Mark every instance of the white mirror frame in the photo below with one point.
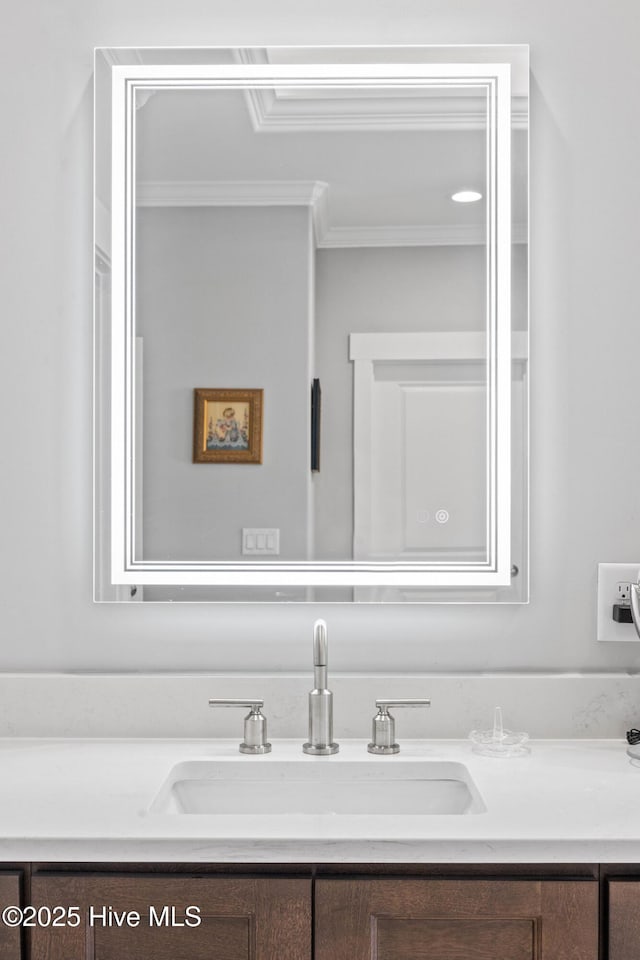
(493, 79)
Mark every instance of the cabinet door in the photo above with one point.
(398, 919)
(624, 920)
(241, 919)
(10, 945)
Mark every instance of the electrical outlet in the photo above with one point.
(623, 591)
(614, 586)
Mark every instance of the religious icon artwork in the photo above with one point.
(227, 426)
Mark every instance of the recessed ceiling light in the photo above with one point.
(466, 196)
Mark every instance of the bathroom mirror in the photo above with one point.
(311, 324)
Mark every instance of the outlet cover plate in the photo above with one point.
(609, 575)
(261, 541)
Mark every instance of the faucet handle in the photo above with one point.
(255, 724)
(384, 725)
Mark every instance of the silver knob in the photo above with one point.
(384, 725)
(255, 725)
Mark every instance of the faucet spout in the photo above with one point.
(320, 743)
(320, 658)
(320, 643)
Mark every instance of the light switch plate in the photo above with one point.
(261, 541)
(609, 576)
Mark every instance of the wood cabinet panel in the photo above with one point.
(10, 939)
(399, 919)
(241, 919)
(402, 939)
(216, 937)
(624, 919)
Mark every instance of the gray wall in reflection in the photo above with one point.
(224, 301)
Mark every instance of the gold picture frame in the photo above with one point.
(227, 426)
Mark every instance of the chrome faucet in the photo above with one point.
(320, 742)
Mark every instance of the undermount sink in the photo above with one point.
(267, 787)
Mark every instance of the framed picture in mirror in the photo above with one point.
(227, 426)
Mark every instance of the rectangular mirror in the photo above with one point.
(311, 324)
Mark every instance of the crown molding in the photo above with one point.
(230, 193)
(125, 57)
(272, 114)
(120, 56)
(427, 235)
(395, 110)
(240, 193)
(312, 194)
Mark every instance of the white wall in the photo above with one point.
(585, 196)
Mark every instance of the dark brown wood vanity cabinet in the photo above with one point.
(397, 919)
(10, 895)
(266, 918)
(269, 917)
(624, 919)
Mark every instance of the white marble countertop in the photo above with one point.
(89, 800)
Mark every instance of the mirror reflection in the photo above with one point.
(312, 340)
